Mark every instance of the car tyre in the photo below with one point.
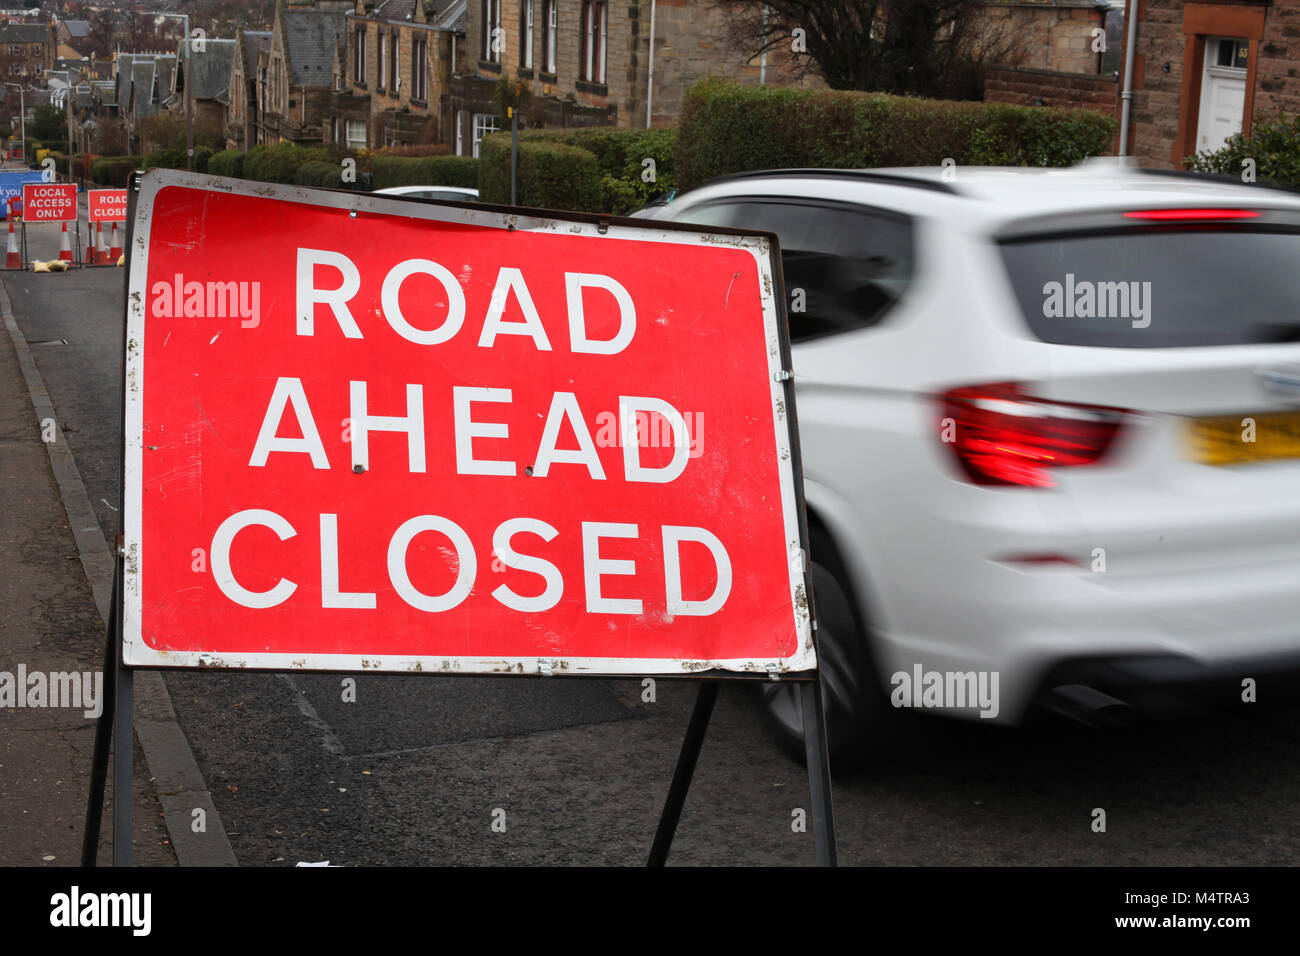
(858, 717)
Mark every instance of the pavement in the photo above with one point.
(50, 623)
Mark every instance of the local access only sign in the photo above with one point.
(364, 433)
(49, 202)
(106, 205)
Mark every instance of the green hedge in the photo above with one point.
(115, 170)
(277, 164)
(202, 156)
(624, 180)
(551, 175)
(329, 175)
(228, 162)
(1273, 144)
(424, 171)
(726, 128)
(168, 157)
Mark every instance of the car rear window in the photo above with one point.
(1159, 288)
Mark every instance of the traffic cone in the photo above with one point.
(90, 246)
(101, 254)
(65, 248)
(12, 259)
(115, 252)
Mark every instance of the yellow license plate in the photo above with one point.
(1241, 439)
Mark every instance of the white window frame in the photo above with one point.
(354, 131)
(552, 34)
(382, 73)
(526, 43)
(594, 25)
(491, 23)
(484, 123)
(420, 68)
(359, 69)
(460, 132)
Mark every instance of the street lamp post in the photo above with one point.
(189, 83)
(22, 114)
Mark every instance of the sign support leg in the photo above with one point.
(685, 770)
(819, 771)
(123, 743)
(103, 734)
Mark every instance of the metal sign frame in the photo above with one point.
(116, 723)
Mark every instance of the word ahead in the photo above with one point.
(383, 435)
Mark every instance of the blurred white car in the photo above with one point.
(451, 193)
(1050, 424)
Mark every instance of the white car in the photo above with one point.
(451, 193)
(1050, 425)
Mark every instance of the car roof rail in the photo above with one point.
(861, 175)
(1224, 179)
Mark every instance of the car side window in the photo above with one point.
(844, 265)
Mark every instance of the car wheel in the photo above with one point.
(855, 707)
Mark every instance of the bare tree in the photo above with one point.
(925, 47)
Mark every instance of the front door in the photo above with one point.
(1223, 92)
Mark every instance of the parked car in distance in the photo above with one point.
(449, 193)
(1050, 429)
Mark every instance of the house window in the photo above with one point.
(356, 130)
(484, 123)
(550, 28)
(526, 35)
(16, 69)
(380, 49)
(492, 36)
(591, 65)
(360, 71)
(394, 73)
(15, 50)
(420, 69)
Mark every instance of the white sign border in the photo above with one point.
(138, 654)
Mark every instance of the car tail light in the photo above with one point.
(1191, 215)
(1001, 435)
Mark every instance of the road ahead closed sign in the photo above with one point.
(371, 434)
(106, 205)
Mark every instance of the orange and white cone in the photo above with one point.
(101, 254)
(65, 248)
(90, 246)
(12, 258)
(115, 252)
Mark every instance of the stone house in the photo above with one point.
(26, 50)
(299, 98)
(242, 116)
(399, 60)
(588, 62)
(1204, 71)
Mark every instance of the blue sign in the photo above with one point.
(11, 184)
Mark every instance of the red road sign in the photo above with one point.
(50, 202)
(106, 205)
(368, 433)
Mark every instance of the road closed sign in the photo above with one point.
(364, 433)
(50, 202)
(106, 205)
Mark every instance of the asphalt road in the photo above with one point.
(413, 770)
